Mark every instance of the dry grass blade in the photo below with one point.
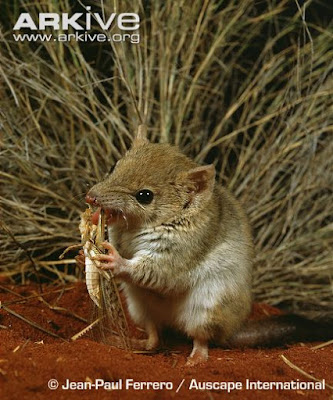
(23, 299)
(6, 289)
(85, 330)
(319, 346)
(21, 347)
(301, 371)
(62, 309)
(31, 322)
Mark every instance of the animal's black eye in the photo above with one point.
(144, 196)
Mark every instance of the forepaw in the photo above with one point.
(112, 261)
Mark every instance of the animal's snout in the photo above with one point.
(91, 198)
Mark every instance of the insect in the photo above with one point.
(101, 285)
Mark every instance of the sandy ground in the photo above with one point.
(30, 358)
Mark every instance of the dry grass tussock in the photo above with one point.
(247, 88)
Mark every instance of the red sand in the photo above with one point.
(29, 358)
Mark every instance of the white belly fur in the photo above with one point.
(222, 275)
(187, 312)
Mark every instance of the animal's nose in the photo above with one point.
(91, 198)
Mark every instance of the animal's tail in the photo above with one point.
(280, 330)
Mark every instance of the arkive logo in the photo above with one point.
(81, 23)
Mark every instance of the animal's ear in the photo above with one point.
(141, 136)
(201, 179)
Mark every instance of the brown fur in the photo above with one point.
(185, 258)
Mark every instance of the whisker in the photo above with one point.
(124, 217)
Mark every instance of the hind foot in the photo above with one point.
(199, 353)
